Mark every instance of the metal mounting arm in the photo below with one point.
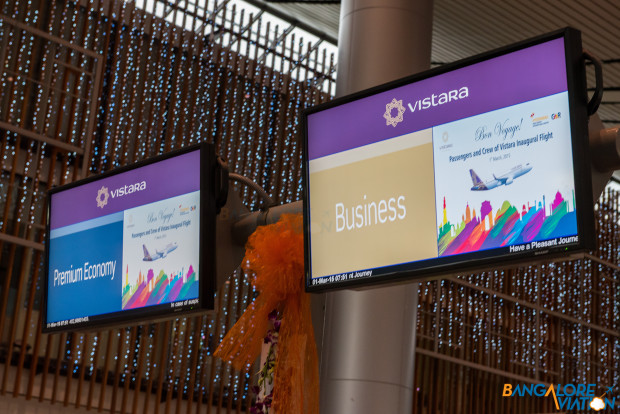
(604, 152)
(235, 224)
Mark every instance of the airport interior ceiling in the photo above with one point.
(462, 29)
(122, 80)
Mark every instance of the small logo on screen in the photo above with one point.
(445, 137)
(539, 120)
(394, 105)
(102, 197)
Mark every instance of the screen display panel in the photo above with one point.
(470, 166)
(132, 245)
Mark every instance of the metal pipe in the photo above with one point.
(247, 224)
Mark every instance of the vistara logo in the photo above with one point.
(102, 197)
(389, 119)
(104, 194)
(439, 99)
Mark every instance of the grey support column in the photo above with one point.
(382, 40)
(368, 344)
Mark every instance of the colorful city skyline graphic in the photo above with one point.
(508, 226)
(154, 290)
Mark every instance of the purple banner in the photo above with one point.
(158, 181)
(500, 82)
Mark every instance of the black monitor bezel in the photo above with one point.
(207, 265)
(476, 261)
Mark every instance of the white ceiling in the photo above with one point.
(465, 28)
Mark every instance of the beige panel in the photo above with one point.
(374, 213)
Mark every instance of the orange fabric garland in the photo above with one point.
(276, 256)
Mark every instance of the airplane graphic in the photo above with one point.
(159, 254)
(504, 179)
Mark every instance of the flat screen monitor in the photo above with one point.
(469, 166)
(135, 244)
